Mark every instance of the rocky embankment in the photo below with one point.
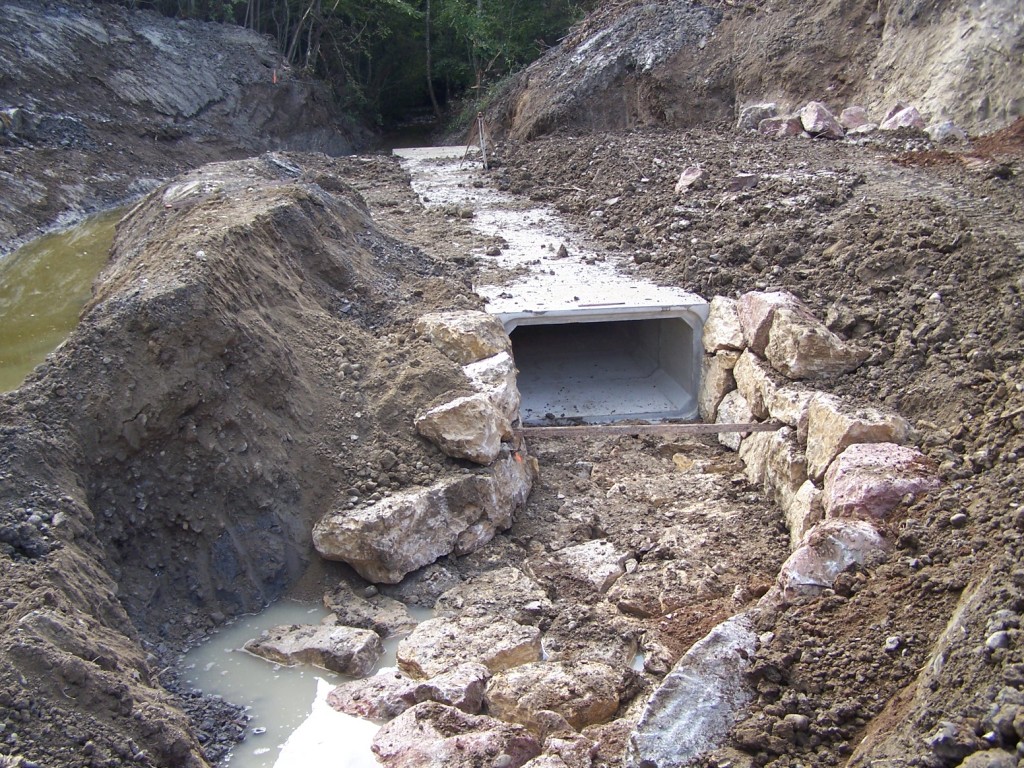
(99, 104)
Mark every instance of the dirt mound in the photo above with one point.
(682, 64)
(100, 103)
(246, 361)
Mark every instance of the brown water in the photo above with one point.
(43, 286)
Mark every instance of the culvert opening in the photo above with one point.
(601, 370)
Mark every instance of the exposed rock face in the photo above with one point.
(722, 329)
(584, 693)
(832, 425)
(389, 693)
(465, 336)
(408, 530)
(469, 427)
(801, 347)
(817, 120)
(346, 650)
(692, 710)
(875, 478)
(829, 549)
(716, 381)
(432, 734)
(440, 645)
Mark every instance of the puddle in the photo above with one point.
(291, 725)
(43, 286)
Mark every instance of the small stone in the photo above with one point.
(893, 643)
(998, 640)
(690, 178)
(959, 520)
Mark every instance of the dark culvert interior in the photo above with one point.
(598, 372)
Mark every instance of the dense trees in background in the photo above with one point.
(389, 57)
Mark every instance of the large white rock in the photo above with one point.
(875, 478)
(733, 410)
(695, 706)
(505, 592)
(908, 117)
(828, 549)
(390, 692)
(833, 425)
(346, 650)
(716, 381)
(755, 381)
(752, 115)
(722, 329)
(791, 406)
(817, 120)
(440, 645)
(403, 532)
(465, 336)
(469, 427)
(757, 312)
(801, 347)
(803, 511)
(584, 693)
(597, 564)
(495, 377)
(432, 734)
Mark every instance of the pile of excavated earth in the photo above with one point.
(284, 384)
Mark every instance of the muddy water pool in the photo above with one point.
(291, 725)
(43, 286)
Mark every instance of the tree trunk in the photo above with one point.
(430, 67)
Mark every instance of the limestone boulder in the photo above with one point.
(716, 381)
(908, 117)
(830, 548)
(566, 750)
(722, 329)
(596, 564)
(405, 531)
(817, 120)
(440, 645)
(803, 510)
(695, 706)
(780, 127)
(833, 425)
(379, 613)
(853, 117)
(756, 382)
(346, 650)
(733, 410)
(791, 406)
(584, 693)
(505, 592)
(752, 115)
(757, 312)
(875, 478)
(465, 336)
(692, 178)
(390, 692)
(469, 427)
(495, 377)
(801, 347)
(601, 633)
(432, 734)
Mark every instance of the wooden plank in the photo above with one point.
(663, 430)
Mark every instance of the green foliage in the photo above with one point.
(379, 54)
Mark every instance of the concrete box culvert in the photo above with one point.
(604, 366)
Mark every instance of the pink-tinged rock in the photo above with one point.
(733, 410)
(905, 118)
(833, 425)
(853, 117)
(584, 693)
(875, 478)
(780, 127)
(388, 694)
(862, 130)
(895, 109)
(757, 312)
(818, 121)
(716, 381)
(722, 329)
(828, 549)
(432, 734)
(691, 178)
(801, 347)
